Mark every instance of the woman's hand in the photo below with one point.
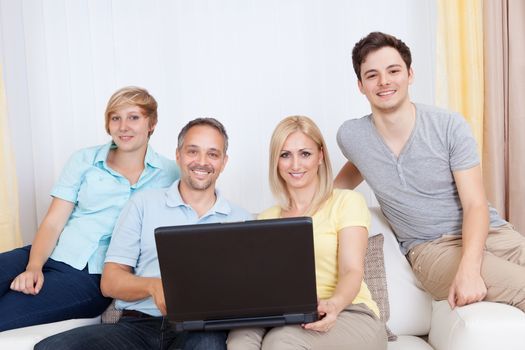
(29, 282)
(32, 279)
(328, 312)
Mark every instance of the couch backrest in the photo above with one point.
(410, 306)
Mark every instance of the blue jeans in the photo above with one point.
(67, 293)
(133, 333)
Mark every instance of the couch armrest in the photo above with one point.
(479, 326)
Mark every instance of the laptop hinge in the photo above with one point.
(189, 326)
(268, 321)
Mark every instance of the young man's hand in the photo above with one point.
(468, 287)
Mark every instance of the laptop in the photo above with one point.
(258, 273)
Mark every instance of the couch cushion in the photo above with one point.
(375, 279)
(111, 315)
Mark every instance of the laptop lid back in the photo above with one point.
(228, 275)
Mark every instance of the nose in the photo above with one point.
(123, 125)
(295, 162)
(383, 80)
(201, 158)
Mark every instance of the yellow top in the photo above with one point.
(343, 209)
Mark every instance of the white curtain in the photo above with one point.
(9, 225)
(247, 62)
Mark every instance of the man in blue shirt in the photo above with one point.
(131, 272)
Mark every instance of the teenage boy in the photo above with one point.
(422, 164)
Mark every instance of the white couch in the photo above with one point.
(422, 323)
(419, 322)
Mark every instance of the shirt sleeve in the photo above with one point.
(71, 178)
(352, 210)
(344, 141)
(462, 145)
(124, 247)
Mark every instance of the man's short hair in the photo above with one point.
(373, 42)
(212, 122)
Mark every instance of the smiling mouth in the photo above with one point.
(201, 171)
(125, 138)
(386, 93)
(297, 175)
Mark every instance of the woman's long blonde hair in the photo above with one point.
(307, 126)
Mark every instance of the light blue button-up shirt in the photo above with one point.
(133, 242)
(99, 194)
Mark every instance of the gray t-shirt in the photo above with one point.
(416, 191)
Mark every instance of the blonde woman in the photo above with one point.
(58, 277)
(301, 179)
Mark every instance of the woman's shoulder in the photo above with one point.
(344, 195)
(90, 154)
(346, 200)
(270, 213)
(157, 160)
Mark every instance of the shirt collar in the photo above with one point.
(102, 154)
(174, 199)
(151, 158)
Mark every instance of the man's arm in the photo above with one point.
(349, 177)
(468, 285)
(119, 282)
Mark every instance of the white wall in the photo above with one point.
(248, 63)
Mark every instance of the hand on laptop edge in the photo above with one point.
(328, 312)
(157, 293)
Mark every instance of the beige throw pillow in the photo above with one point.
(375, 279)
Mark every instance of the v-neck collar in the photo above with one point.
(407, 144)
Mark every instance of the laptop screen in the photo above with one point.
(249, 269)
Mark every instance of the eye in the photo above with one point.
(115, 118)
(134, 117)
(371, 76)
(394, 71)
(285, 155)
(213, 155)
(305, 154)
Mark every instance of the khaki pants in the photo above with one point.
(503, 268)
(356, 328)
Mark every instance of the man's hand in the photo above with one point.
(157, 293)
(468, 287)
(28, 282)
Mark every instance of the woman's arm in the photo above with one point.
(31, 280)
(353, 241)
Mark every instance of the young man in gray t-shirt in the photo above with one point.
(422, 164)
